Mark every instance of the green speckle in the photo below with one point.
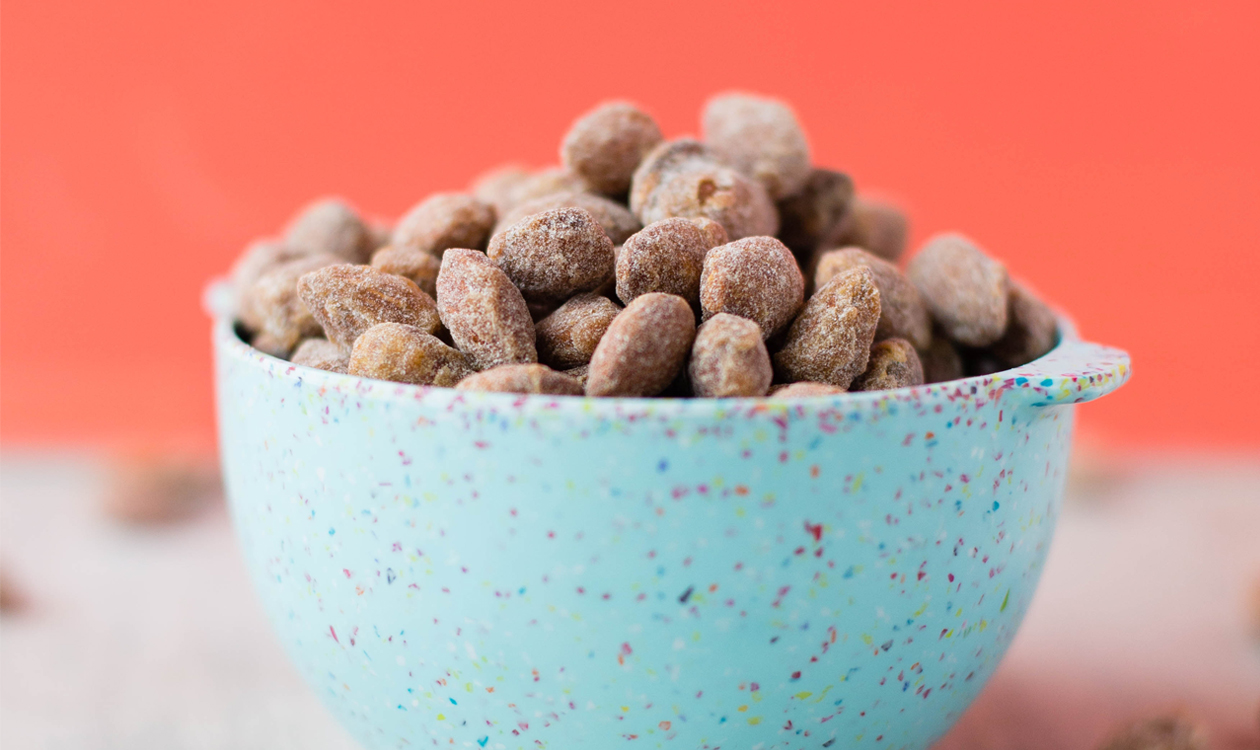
(1005, 600)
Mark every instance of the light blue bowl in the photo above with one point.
(459, 569)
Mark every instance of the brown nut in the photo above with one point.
(413, 263)
(713, 232)
(700, 189)
(330, 226)
(1160, 733)
(874, 225)
(662, 162)
(531, 378)
(644, 349)
(268, 344)
(321, 354)
(666, 256)
(755, 278)
(805, 389)
(729, 358)
(258, 258)
(1031, 329)
(555, 254)
(272, 305)
(545, 182)
(500, 187)
(830, 341)
(379, 233)
(760, 137)
(902, 312)
(941, 361)
(580, 374)
(965, 290)
(484, 312)
(893, 364)
(617, 222)
(567, 337)
(605, 146)
(347, 300)
(443, 221)
(809, 217)
(406, 354)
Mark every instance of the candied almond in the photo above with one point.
(272, 305)
(729, 358)
(605, 146)
(526, 378)
(321, 354)
(331, 226)
(760, 137)
(485, 313)
(665, 256)
(965, 290)
(644, 349)
(617, 222)
(830, 341)
(413, 263)
(805, 389)
(893, 364)
(443, 221)
(553, 255)
(902, 312)
(347, 300)
(406, 354)
(755, 278)
(568, 336)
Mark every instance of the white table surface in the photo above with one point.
(152, 638)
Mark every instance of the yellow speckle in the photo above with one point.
(857, 482)
(754, 720)
(739, 512)
(625, 709)
(695, 636)
(441, 717)
(867, 639)
(803, 695)
(742, 708)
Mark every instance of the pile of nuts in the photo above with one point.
(590, 278)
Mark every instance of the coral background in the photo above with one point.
(1107, 151)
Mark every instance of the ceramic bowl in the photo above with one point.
(460, 569)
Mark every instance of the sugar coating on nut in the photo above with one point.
(661, 162)
(268, 344)
(347, 300)
(606, 145)
(760, 137)
(1031, 329)
(617, 222)
(331, 226)
(406, 354)
(893, 364)
(379, 233)
(484, 312)
(413, 263)
(500, 186)
(941, 361)
(729, 358)
(741, 205)
(259, 257)
(666, 256)
(714, 233)
(644, 349)
(273, 307)
(902, 311)
(874, 225)
(443, 221)
(567, 337)
(805, 389)
(553, 255)
(830, 341)
(808, 217)
(580, 374)
(321, 354)
(549, 181)
(755, 278)
(965, 290)
(531, 378)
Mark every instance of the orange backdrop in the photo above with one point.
(1108, 151)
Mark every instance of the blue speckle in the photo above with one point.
(452, 700)
(331, 531)
(1020, 381)
(483, 740)
(521, 590)
(1047, 382)
(996, 505)
(722, 720)
(662, 466)
(848, 573)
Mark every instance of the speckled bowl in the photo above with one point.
(463, 569)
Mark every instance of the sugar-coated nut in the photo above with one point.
(755, 278)
(379, 233)
(415, 264)
(665, 256)
(965, 290)
(259, 257)
(347, 300)
(874, 225)
(321, 354)
(830, 341)
(1160, 733)
(443, 221)
(644, 349)
(268, 344)
(941, 361)
(893, 364)
(273, 304)
(500, 186)
(484, 312)
(605, 146)
(713, 232)
(808, 217)
(553, 255)
(805, 389)
(661, 162)
(406, 354)
(740, 204)
(902, 312)
(567, 337)
(729, 359)
(331, 226)
(760, 137)
(549, 181)
(617, 222)
(580, 374)
(531, 378)
(1031, 329)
